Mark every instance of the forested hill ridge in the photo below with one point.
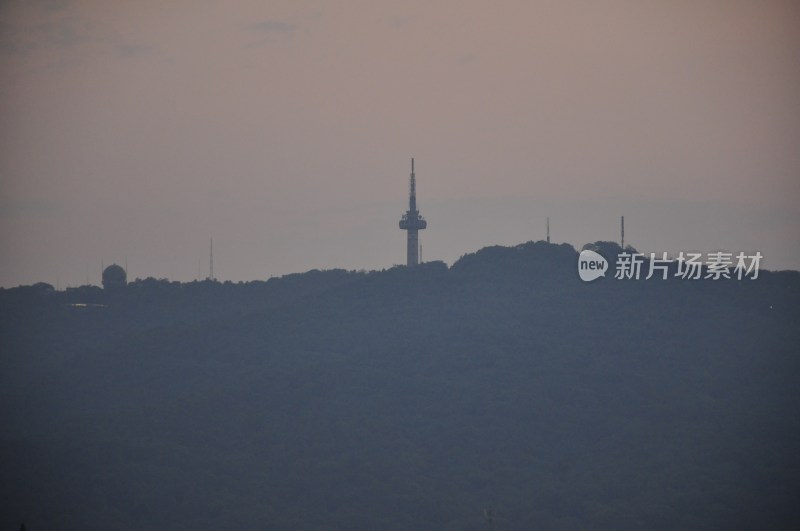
(405, 399)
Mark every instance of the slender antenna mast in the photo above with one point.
(622, 232)
(211, 260)
(548, 229)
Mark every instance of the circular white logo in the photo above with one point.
(591, 265)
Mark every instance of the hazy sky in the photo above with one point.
(284, 129)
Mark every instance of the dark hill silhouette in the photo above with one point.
(405, 399)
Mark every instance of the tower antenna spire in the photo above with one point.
(412, 188)
(622, 232)
(412, 222)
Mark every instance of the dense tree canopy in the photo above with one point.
(405, 399)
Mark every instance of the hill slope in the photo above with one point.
(406, 399)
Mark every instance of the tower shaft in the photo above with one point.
(412, 251)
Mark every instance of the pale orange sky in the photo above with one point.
(284, 130)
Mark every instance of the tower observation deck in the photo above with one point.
(412, 222)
